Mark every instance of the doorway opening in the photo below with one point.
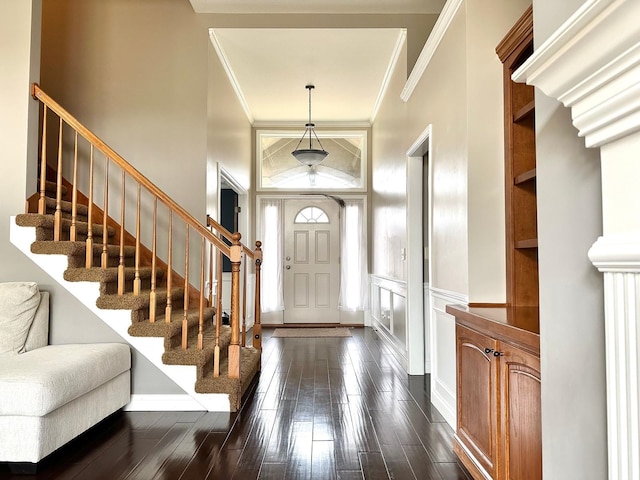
(419, 177)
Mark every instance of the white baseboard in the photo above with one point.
(162, 403)
(445, 401)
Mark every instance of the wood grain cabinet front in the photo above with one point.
(477, 390)
(498, 434)
(520, 414)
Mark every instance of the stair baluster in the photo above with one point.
(201, 306)
(244, 300)
(74, 195)
(185, 324)
(137, 283)
(121, 259)
(57, 216)
(168, 308)
(210, 299)
(42, 206)
(88, 263)
(105, 232)
(152, 294)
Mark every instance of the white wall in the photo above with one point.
(571, 289)
(460, 95)
(229, 140)
(488, 22)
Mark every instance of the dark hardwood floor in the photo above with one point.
(323, 408)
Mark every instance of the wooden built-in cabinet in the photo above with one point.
(498, 435)
(520, 168)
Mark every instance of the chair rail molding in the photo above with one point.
(592, 65)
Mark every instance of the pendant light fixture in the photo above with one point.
(310, 156)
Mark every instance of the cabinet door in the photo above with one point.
(521, 421)
(477, 387)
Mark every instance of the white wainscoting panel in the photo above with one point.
(388, 313)
(443, 352)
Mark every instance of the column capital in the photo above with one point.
(616, 253)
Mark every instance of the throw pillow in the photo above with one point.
(18, 304)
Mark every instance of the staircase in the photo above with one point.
(139, 291)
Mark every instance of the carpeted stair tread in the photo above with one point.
(192, 355)
(97, 274)
(235, 388)
(160, 328)
(47, 221)
(129, 301)
(66, 247)
(66, 207)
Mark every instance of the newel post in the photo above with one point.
(234, 346)
(257, 326)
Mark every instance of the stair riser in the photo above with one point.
(192, 331)
(142, 314)
(68, 215)
(46, 234)
(111, 288)
(78, 261)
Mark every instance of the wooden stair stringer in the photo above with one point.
(119, 321)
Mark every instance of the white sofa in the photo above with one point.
(50, 394)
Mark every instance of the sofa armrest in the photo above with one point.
(38, 335)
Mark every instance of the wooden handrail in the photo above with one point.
(69, 119)
(228, 235)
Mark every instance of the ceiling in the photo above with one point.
(270, 68)
(350, 67)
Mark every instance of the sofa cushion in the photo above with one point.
(18, 304)
(37, 382)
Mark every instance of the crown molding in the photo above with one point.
(395, 56)
(521, 33)
(229, 71)
(592, 64)
(437, 34)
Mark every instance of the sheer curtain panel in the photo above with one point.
(272, 296)
(354, 288)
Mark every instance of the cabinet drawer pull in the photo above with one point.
(498, 354)
(488, 350)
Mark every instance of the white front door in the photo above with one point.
(311, 261)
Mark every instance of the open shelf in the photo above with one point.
(524, 112)
(521, 226)
(528, 243)
(525, 177)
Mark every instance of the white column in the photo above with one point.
(592, 65)
(619, 260)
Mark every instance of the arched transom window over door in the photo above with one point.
(311, 215)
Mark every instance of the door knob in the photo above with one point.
(288, 267)
(288, 258)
